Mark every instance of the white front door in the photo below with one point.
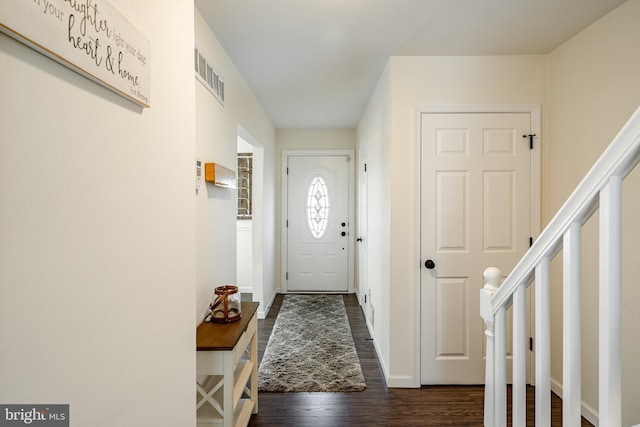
(318, 223)
(475, 213)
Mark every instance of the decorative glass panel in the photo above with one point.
(318, 207)
(245, 171)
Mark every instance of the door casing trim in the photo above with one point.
(283, 211)
(418, 110)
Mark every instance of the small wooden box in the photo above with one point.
(219, 175)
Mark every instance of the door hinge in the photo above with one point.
(287, 224)
(365, 167)
(530, 241)
(287, 170)
(530, 136)
(531, 343)
(286, 275)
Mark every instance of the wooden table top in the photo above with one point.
(224, 336)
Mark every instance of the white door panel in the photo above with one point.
(318, 223)
(475, 213)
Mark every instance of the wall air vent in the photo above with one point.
(208, 76)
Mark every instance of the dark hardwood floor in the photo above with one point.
(377, 405)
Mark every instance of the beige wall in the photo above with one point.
(321, 139)
(387, 135)
(105, 248)
(436, 81)
(217, 129)
(587, 89)
(374, 146)
(593, 89)
(97, 226)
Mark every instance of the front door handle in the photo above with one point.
(429, 264)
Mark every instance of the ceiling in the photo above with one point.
(313, 64)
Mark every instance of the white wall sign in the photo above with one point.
(88, 36)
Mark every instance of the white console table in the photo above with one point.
(227, 370)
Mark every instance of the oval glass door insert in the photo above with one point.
(318, 207)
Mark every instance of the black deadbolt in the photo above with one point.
(344, 224)
(429, 264)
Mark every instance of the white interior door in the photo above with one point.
(318, 223)
(475, 213)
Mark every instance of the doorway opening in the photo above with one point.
(249, 223)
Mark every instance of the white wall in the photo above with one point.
(294, 139)
(97, 225)
(587, 89)
(244, 256)
(321, 139)
(374, 139)
(417, 81)
(436, 80)
(593, 89)
(217, 129)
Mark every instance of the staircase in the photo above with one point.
(601, 189)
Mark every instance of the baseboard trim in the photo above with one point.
(400, 381)
(385, 371)
(262, 313)
(588, 412)
(393, 381)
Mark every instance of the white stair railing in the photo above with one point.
(600, 189)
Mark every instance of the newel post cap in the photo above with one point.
(492, 277)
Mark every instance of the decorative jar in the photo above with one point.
(225, 306)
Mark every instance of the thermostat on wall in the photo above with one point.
(198, 174)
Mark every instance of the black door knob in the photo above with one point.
(429, 264)
(344, 233)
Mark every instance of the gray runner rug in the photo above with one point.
(311, 348)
